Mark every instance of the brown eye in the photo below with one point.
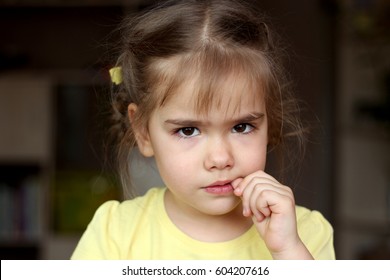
(243, 128)
(187, 132)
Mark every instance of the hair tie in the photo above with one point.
(116, 75)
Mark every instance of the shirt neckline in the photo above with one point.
(168, 225)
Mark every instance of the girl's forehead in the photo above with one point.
(230, 94)
(210, 80)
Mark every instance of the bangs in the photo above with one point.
(212, 75)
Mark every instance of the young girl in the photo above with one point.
(201, 89)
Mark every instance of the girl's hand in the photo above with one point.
(272, 207)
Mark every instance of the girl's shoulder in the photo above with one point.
(113, 225)
(316, 232)
(308, 217)
(114, 208)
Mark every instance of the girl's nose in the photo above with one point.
(219, 155)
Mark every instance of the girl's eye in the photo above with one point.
(243, 128)
(187, 132)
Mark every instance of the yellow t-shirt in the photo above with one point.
(141, 229)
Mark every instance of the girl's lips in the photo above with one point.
(220, 188)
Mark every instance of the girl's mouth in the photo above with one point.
(220, 188)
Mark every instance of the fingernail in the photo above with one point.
(259, 218)
(246, 212)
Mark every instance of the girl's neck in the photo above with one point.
(204, 227)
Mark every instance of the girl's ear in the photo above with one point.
(141, 134)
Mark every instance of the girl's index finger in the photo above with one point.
(240, 183)
(235, 184)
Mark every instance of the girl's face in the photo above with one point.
(199, 155)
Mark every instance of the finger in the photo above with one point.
(258, 215)
(242, 183)
(235, 185)
(250, 187)
(271, 202)
(259, 204)
(259, 199)
(257, 185)
(251, 194)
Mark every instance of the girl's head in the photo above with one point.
(201, 44)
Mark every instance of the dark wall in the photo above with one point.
(55, 37)
(308, 29)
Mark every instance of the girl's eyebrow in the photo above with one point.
(249, 118)
(195, 123)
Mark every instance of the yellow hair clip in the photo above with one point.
(116, 75)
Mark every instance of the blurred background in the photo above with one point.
(54, 94)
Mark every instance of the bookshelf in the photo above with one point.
(51, 176)
(25, 163)
(50, 82)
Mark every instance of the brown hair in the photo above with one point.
(166, 45)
